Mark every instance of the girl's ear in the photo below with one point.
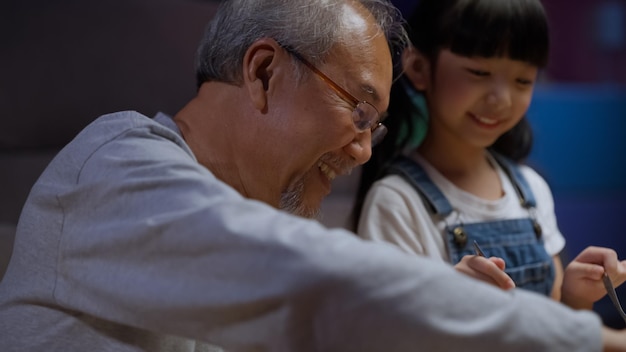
(416, 68)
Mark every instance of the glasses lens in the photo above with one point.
(364, 116)
(378, 134)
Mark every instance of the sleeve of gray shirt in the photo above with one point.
(146, 232)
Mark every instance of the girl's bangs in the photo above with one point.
(514, 29)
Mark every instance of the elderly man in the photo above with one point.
(164, 235)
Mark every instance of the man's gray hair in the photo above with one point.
(310, 27)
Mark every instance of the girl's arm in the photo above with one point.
(558, 278)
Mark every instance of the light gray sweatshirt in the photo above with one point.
(126, 243)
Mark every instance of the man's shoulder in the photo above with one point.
(128, 118)
(114, 125)
(125, 134)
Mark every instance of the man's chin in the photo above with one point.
(299, 199)
(309, 212)
(292, 202)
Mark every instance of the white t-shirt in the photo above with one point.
(394, 212)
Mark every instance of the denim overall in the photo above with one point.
(517, 241)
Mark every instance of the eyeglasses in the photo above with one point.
(364, 115)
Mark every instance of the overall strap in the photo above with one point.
(413, 173)
(512, 170)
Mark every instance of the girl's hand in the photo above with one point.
(582, 281)
(490, 270)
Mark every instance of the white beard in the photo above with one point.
(291, 201)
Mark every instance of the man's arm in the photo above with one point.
(176, 251)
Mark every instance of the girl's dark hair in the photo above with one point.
(516, 29)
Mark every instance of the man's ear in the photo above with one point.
(416, 68)
(259, 65)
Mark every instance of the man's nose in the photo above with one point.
(360, 148)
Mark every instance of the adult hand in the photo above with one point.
(582, 281)
(613, 340)
(490, 270)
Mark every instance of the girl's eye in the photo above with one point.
(478, 73)
(524, 82)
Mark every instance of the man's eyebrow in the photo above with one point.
(371, 91)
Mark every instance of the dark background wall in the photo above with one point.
(63, 63)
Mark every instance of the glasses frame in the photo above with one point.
(376, 125)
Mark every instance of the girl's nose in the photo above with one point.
(499, 96)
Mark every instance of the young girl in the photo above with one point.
(449, 171)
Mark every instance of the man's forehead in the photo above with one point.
(371, 69)
(356, 19)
